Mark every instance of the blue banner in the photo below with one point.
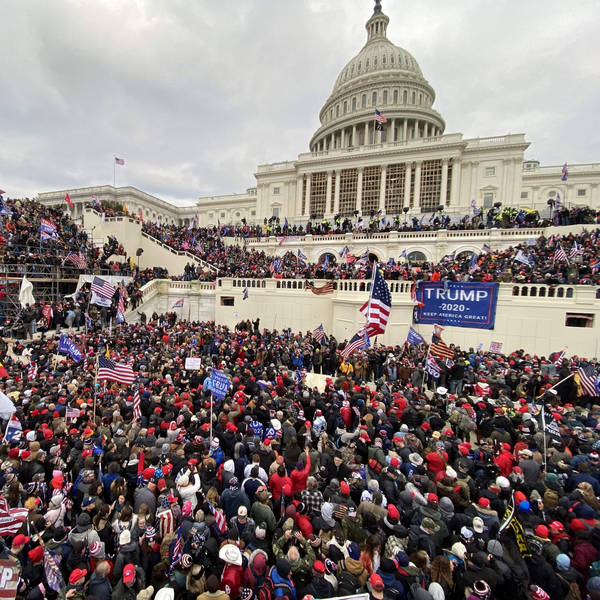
(457, 304)
(414, 337)
(218, 383)
(67, 346)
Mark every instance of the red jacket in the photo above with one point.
(276, 484)
(231, 580)
(505, 462)
(299, 477)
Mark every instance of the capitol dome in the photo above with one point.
(383, 77)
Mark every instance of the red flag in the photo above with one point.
(3, 371)
(68, 201)
(141, 215)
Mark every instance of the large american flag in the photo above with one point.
(575, 251)
(103, 288)
(219, 518)
(590, 382)
(77, 259)
(11, 519)
(52, 571)
(177, 549)
(377, 308)
(379, 117)
(109, 370)
(324, 289)
(31, 371)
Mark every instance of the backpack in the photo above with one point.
(268, 590)
(348, 583)
(574, 592)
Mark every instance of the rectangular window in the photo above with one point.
(276, 191)
(275, 210)
(579, 320)
(581, 192)
(222, 214)
(385, 96)
(371, 185)
(431, 185)
(348, 186)
(394, 188)
(374, 99)
(318, 194)
(252, 213)
(227, 300)
(524, 195)
(490, 171)
(488, 200)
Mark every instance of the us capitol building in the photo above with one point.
(408, 164)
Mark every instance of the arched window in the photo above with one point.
(392, 58)
(383, 59)
(375, 62)
(363, 101)
(404, 97)
(395, 96)
(359, 66)
(367, 64)
(337, 110)
(385, 96)
(353, 104)
(416, 256)
(374, 99)
(345, 106)
(414, 95)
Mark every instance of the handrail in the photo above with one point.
(180, 252)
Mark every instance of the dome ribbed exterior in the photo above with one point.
(381, 76)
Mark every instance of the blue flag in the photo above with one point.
(67, 346)
(414, 337)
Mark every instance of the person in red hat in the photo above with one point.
(319, 587)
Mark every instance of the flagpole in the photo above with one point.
(425, 367)
(95, 384)
(114, 172)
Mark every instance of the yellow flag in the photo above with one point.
(107, 353)
(124, 207)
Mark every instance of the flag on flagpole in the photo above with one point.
(589, 381)
(245, 294)
(432, 367)
(77, 260)
(344, 251)
(358, 340)
(31, 371)
(14, 430)
(52, 571)
(119, 161)
(109, 370)
(560, 254)
(414, 337)
(120, 317)
(318, 333)
(379, 305)
(69, 201)
(474, 265)
(179, 303)
(438, 347)
(219, 518)
(575, 250)
(557, 358)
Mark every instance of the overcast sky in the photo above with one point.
(194, 94)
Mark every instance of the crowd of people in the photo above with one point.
(369, 482)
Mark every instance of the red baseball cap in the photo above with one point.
(76, 575)
(128, 573)
(432, 498)
(483, 502)
(376, 582)
(319, 566)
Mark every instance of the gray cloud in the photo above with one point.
(195, 94)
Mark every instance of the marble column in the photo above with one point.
(444, 183)
(382, 188)
(359, 189)
(407, 176)
(417, 187)
(307, 196)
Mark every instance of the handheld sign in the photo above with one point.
(218, 384)
(192, 364)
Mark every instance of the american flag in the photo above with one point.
(590, 382)
(344, 251)
(377, 308)
(324, 289)
(11, 519)
(359, 340)
(474, 265)
(31, 371)
(137, 407)
(575, 251)
(77, 259)
(177, 549)
(432, 367)
(318, 333)
(47, 226)
(119, 161)
(219, 518)
(109, 370)
(564, 173)
(178, 304)
(52, 571)
(88, 320)
(557, 358)
(379, 117)
(103, 288)
(438, 346)
(559, 254)
(72, 413)
(121, 308)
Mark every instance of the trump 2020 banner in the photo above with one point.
(456, 304)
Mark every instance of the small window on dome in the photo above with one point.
(359, 66)
(383, 59)
(400, 59)
(374, 98)
(375, 62)
(404, 97)
(353, 104)
(420, 98)
(395, 96)
(352, 70)
(414, 95)
(392, 58)
(385, 96)
(363, 101)
(345, 107)
(367, 64)
(337, 110)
